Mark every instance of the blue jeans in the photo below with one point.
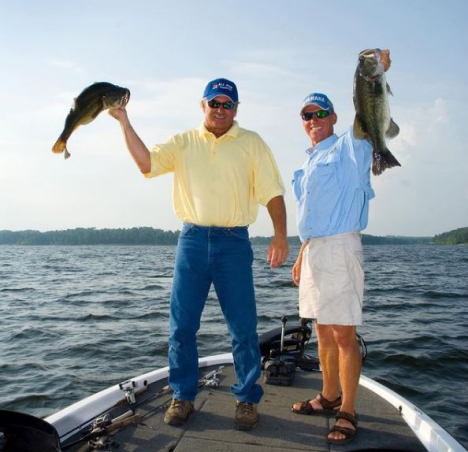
(222, 256)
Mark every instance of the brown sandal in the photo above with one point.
(347, 431)
(328, 407)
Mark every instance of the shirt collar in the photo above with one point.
(324, 144)
(232, 132)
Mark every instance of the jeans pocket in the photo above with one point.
(238, 234)
(187, 229)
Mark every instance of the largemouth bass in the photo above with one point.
(92, 100)
(373, 121)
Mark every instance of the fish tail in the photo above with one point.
(383, 160)
(61, 146)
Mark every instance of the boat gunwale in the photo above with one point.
(80, 414)
(433, 437)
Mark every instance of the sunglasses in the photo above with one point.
(315, 114)
(229, 105)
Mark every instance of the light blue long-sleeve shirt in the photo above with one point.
(332, 189)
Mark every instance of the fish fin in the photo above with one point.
(383, 160)
(358, 129)
(393, 129)
(59, 146)
(88, 120)
(389, 90)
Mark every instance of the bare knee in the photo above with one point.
(345, 337)
(325, 334)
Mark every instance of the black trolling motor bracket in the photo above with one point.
(283, 350)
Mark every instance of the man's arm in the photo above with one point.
(279, 249)
(136, 147)
(296, 270)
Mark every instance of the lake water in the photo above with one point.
(76, 320)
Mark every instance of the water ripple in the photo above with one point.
(71, 315)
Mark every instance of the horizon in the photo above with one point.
(165, 53)
(251, 236)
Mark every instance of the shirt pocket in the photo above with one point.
(297, 185)
(327, 170)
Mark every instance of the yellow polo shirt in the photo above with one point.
(218, 181)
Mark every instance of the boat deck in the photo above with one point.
(210, 427)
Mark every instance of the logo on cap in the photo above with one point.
(321, 100)
(315, 97)
(221, 87)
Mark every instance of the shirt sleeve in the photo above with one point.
(163, 157)
(361, 151)
(362, 154)
(267, 179)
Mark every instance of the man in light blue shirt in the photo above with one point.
(332, 189)
(332, 192)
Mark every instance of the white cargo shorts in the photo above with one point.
(331, 287)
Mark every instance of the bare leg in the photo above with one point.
(329, 359)
(350, 369)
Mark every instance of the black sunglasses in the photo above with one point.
(315, 114)
(229, 105)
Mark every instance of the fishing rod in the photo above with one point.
(104, 424)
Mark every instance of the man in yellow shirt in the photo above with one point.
(222, 173)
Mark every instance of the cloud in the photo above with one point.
(257, 69)
(66, 65)
(431, 134)
(162, 98)
(425, 195)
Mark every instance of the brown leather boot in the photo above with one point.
(246, 416)
(178, 412)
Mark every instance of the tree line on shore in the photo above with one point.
(455, 237)
(151, 236)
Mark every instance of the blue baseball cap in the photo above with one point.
(221, 87)
(319, 99)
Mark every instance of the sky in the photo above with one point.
(276, 51)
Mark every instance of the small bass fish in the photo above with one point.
(373, 121)
(92, 100)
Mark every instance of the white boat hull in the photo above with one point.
(69, 420)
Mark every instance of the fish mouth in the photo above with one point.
(370, 66)
(370, 53)
(125, 98)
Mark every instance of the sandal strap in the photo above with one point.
(305, 406)
(345, 430)
(347, 417)
(328, 404)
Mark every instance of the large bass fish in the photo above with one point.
(373, 121)
(92, 100)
